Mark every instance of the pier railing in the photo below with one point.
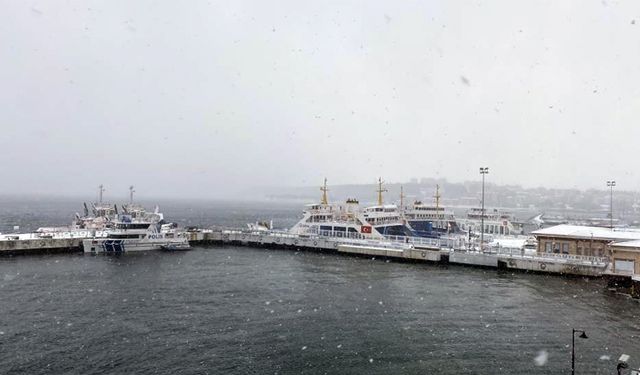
(517, 252)
(457, 243)
(401, 243)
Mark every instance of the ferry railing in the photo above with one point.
(569, 258)
(441, 243)
(79, 234)
(338, 234)
(357, 239)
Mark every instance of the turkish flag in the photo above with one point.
(365, 229)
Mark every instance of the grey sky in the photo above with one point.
(201, 98)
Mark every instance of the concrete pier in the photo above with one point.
(31, 243)
(445, 250)
(402, 253)
(450, 250)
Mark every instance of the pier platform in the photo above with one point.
(35, 243)
(450, 250)
(453, 250)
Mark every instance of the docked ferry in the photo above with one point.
(336, 220)
(350, 220)
(386, 218)
(430, 220)
(99, 217)
(495, 222)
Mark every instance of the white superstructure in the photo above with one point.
(129, 235)
(495, 222)
(386, 218)
(339, 220)
(430, 220)
(348, 220)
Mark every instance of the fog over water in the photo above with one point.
(207, 99)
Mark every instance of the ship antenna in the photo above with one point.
(324, 191)
(401, 197)
(437, 197)
(101, 190)
(380, 191)
(131, 191)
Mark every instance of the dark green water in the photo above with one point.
(231, 310)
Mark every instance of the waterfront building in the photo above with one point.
(581, 240)
(625, 257)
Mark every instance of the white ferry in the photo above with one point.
(335, 220)
(349, 220)
(428, 220)
(386, 218)
(95, 222)
(495, 222)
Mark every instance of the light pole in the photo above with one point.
(611, 184)
(483, 171)
(583, 335)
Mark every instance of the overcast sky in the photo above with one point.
(202, 98)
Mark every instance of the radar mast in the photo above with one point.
(380, 191)
(324, 191)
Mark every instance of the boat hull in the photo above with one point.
(95, 246)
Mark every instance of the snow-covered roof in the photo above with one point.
(629, 244)
(585, 232)
(509, 242)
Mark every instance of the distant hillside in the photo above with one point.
(559, 201)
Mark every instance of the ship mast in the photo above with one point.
(324, 191)
(380, 191)
(101, 190)
(437, 197)
(401, 198)
(131, 191)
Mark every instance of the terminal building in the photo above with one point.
(626, 258)
(621, 247)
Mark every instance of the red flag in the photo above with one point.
(365, 229)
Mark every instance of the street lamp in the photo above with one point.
(583, 335)
(611, 184)
(483, 171)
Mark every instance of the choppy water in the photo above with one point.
(235, 310)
